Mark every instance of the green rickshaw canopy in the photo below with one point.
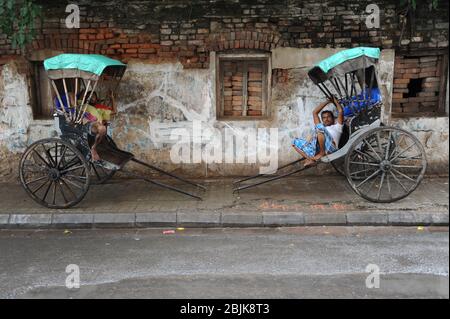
(92, 63)
(345, 55)
(343, 62)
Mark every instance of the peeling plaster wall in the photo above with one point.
(17, 127)
(154, 100)
(433, 134)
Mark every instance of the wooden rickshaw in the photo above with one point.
(57, 172)
(381, 163)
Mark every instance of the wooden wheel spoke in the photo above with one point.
(62, 192)
(75, 176)
(62, 156)
(54, 192)
(386, 155)
(49, 157)
(40, 187)
(36, 180)
(56, 154)
(368, 178)
(37, 168)
(406, 166)
(71, 183)
(71, 169)
(361, 171)
(397, 144)
(73, 161)
(404, 175)
(70, 189)
(365, 163)
(379, 142)
(381, 185)
(398, 181)
(388, 183)
(404, 151)
(365, 154)
(46, 192)
(41, 158)
(372, 149)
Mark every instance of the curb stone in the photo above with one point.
(222, 219)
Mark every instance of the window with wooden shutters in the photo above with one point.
(243, 86)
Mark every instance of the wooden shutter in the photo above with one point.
(242, 88)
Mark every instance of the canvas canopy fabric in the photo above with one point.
(79, 65)
(343, 62)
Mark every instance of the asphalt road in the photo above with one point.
(305, 262)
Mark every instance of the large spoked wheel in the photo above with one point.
(385, 164)
(54, 173)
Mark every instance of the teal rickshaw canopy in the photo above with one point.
(86, 66)
(344, 62)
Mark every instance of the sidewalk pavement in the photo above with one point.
(298, 201)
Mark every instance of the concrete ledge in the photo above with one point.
(325, 219)
(283, 219)
(196, 219)
(73, 220)
(222, 219)
(239, 220)
(109, 220)
(367, 218)
(4, 220)
(156, 219)
(417, 218)
(30, 221)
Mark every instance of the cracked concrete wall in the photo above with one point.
(155, 100)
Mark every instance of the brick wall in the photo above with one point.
(185, 31)
(417, 84)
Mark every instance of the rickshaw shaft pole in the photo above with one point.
(271, 179)
(163, 185)
(259, 175)
(167, 173)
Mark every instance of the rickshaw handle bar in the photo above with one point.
(167, 173)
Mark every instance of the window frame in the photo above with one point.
(266, 83)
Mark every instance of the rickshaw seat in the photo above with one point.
(109, 152)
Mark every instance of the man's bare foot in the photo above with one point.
(95, 156)
(313, 160)
(318, 157)
(309, 162)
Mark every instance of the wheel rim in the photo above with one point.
(385, 165)
(54, 173)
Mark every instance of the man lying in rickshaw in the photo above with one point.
(96, 117)
(325, 136)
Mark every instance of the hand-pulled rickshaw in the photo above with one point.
(57, 172)
(381, 163)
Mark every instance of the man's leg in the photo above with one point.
(100, 131)
(321, 140)
(300, 151)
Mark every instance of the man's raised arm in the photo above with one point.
(317, 110)
(338, 105)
